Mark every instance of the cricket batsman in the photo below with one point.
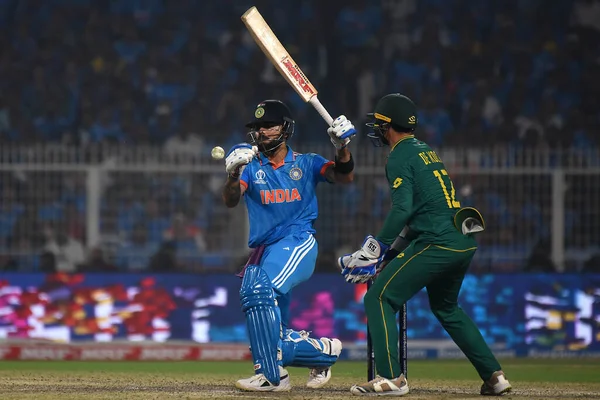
(279, 186)
(441, 248)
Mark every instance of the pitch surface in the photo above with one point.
(448, 379)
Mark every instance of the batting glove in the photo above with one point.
(341, 132)
(363, 264)
(238, 157)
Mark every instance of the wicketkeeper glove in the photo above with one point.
(363, 264)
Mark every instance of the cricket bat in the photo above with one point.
(281, 59)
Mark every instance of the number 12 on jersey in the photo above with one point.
(450, 198)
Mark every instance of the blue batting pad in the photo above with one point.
(263, 321)
(299, 350)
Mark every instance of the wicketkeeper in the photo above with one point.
(437, 258)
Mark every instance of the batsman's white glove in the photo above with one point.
(238, 157)
(341, 132)
(362, 265)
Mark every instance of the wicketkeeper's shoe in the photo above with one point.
(258, 383)
(318, 377)
(497, 385)
(382, 387)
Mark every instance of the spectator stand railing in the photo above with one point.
(542, 208)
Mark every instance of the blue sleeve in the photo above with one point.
(319, 165)
(245, 177)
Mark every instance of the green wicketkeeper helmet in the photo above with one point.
(395, 110)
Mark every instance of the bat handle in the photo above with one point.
(314, 101)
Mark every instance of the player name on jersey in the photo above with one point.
(429, 157)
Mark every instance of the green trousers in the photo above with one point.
(441, 270)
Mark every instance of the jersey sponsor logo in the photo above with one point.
(260, 177)
(296, 173)
(279, 196)
(397, 183)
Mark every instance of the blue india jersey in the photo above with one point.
(281, 199)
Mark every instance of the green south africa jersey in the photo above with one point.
(423, 196)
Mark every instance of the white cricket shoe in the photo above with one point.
(318, 377)
(381, 386)
(258, 383)
(497, 385)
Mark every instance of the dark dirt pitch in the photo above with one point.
(531, 379)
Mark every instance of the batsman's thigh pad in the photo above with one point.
(290, 261)
(263, 321)
(300, 350)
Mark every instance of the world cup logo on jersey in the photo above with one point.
(260, 177)
(296, 173)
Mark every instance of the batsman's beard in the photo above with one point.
(269, 146)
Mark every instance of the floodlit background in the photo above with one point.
(109, 110)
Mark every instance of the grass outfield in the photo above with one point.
(445, 379)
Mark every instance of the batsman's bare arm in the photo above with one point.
(232, 192)
(342, 156)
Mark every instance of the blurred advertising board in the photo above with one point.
(543, 315)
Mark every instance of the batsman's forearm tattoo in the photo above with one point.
(231, 192)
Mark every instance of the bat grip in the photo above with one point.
(314, 101)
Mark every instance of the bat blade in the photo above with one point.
(277, 54)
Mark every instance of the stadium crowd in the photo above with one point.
(183, 75)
